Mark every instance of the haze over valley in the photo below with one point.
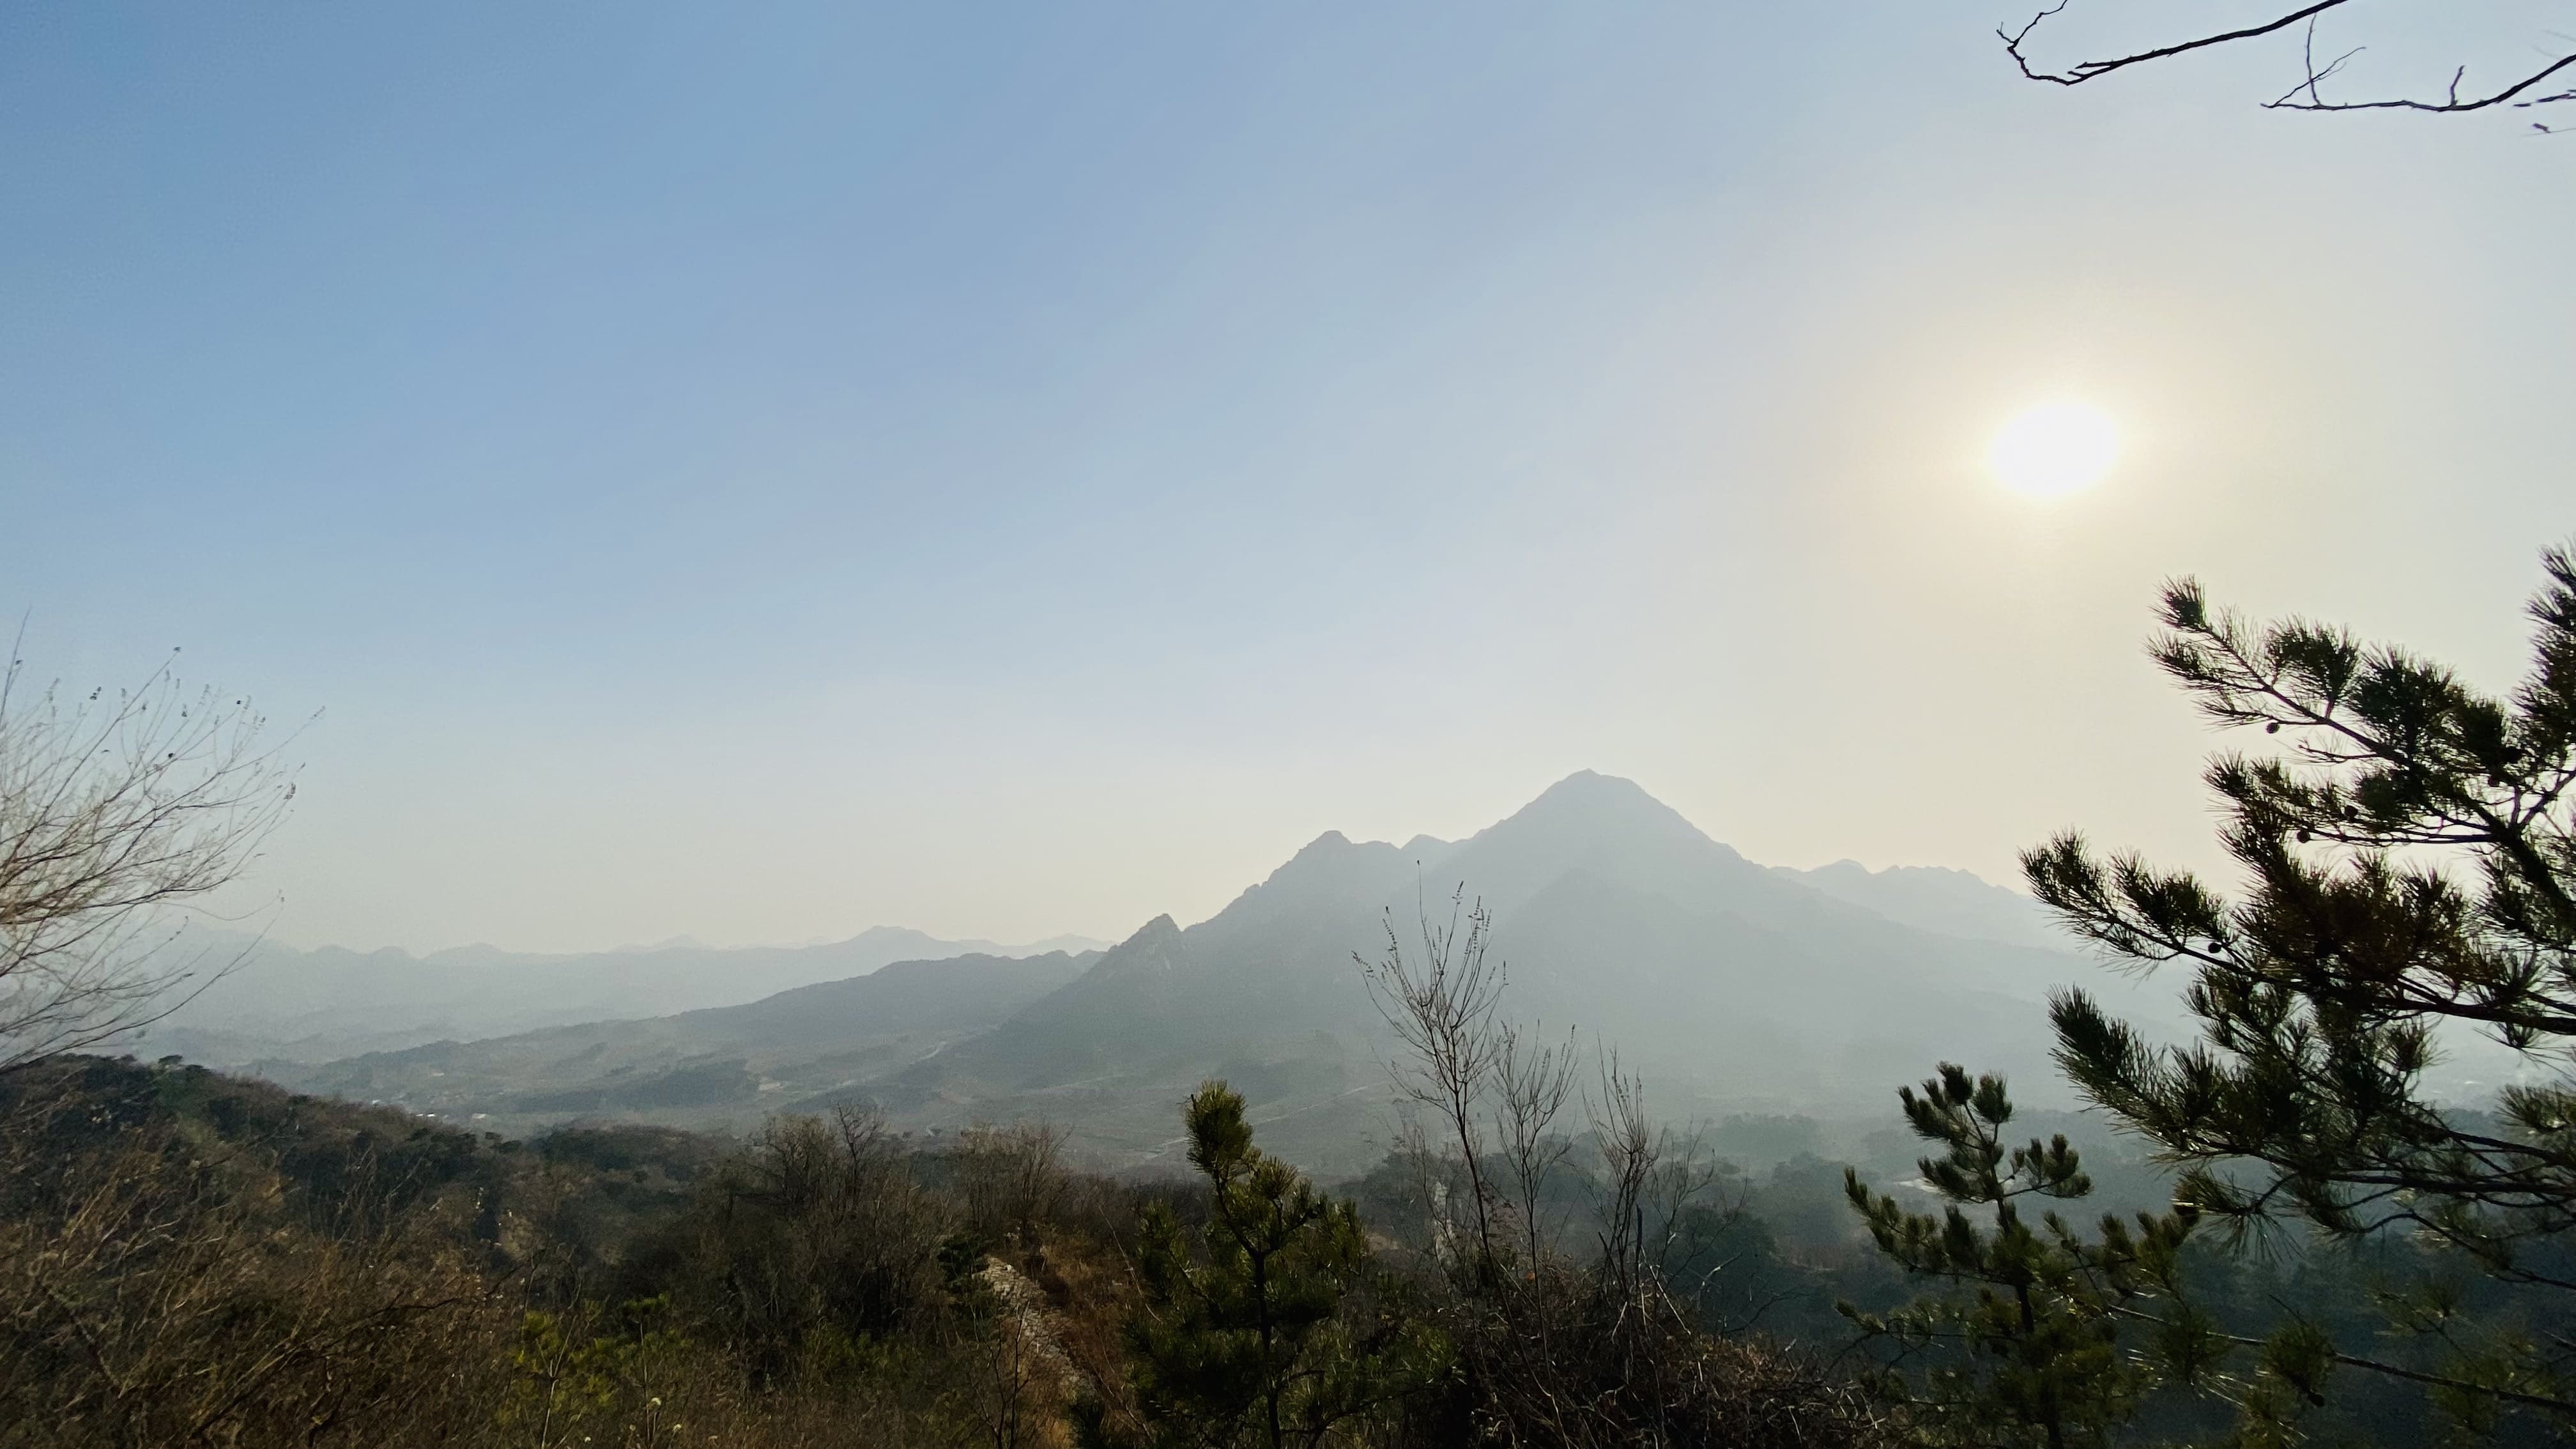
(263, 1001)
(1734, 987)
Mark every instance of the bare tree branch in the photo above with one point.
(115, 810)
(2309, 94)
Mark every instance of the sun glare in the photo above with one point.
(2054, 449)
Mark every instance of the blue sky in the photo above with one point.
(1003, 469)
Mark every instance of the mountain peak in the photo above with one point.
(1161, 928)
(1591, 802)
(1593, 785)
(1152, 951)
(1608, 826)
(1331, 866)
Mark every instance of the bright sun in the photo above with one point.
(2054, 449)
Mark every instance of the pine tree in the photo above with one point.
(1258, 1333)
(2027, 1349)
(2411, 865)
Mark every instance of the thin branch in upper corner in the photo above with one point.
(2527, 90)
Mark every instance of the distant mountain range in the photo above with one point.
(1938, 899)
(1736, 987)
(278, 1004)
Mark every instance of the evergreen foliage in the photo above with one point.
(2029, 1351)
(1257, 1334)
(2411, 865)
(615, 1380)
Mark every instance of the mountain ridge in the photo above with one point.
(1736, 986)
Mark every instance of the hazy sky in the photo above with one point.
(1005, 469)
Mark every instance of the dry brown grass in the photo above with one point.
(151, 1298)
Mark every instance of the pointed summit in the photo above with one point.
(1331, 868)
(1593, 788)
(1593, 781)
(1603, 825)
(1600, 807)
(1152, 951)
(1321, 845)
(1160, 931)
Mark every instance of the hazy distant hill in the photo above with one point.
(278, 1003)
(1738, 987)
(1936, 898)
(834, 1033)
(1735, 986)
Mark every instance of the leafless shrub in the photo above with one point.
(816, 1230)
(1012, 1180)
(1554, 1351)
(1442, 1008)
(1533, 1082)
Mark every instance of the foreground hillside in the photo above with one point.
(1738, 988)
(191, 1258)
(187, 1257)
